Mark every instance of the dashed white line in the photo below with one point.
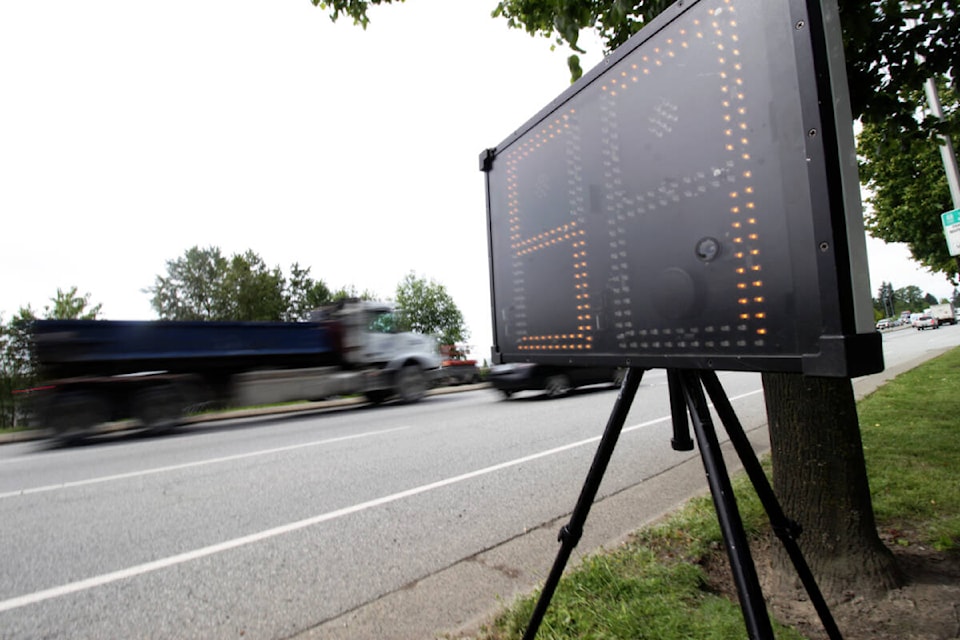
(188, 465)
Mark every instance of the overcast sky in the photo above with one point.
(132, 131)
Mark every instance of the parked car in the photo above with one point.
(552, 380)
(925, 322)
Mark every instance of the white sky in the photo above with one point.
(132, 131)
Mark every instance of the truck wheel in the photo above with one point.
(73, 416)
(159, 408)
(557, 386)
(411, 384)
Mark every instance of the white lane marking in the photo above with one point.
(187, 465)
(196, 554)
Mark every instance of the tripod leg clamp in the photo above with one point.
(568, 536)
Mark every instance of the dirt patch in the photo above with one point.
(927, 608)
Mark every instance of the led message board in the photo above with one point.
(690, 203)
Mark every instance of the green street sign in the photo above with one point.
(951, 230)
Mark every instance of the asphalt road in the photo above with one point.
(388, 522)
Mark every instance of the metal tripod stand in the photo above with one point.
(687, 397)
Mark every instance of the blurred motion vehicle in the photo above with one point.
(552, 380)
(943, 313)
(925, 322)
(456, 368)
(96, 371)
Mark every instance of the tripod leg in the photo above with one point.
(570, 533)
(678, 412)
(734, 537)
(785, 529)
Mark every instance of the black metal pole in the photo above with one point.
(681, 440)
(570, 533)
(731, 526)
(785, 529)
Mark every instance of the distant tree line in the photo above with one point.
(203, 284)
(891, 302)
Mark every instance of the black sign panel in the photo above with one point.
(682, 206)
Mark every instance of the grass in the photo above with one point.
(654, 586)
(912, 447)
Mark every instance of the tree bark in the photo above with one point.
(820, 478)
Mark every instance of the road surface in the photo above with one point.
(388, 522)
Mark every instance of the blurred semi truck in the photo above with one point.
(96, 371)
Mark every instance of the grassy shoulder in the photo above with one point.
(655, 586)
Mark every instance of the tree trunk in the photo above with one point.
(820, 478)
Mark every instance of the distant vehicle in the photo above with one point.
(886, 323)
(944, 313)
(456, 368)
(554, 381)
(925, 322)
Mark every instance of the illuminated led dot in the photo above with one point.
(744, 316)
(741, 285)
(736, 225)
(734, 209)
(755, 252)
(757, 283)
(743, 301)
(733, 194)
(758, 299)
(738, 255)
(760, 316)
(762, 332)
(747, 174)
(753, 236)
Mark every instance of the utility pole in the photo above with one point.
(946, 150)
(946, 147)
